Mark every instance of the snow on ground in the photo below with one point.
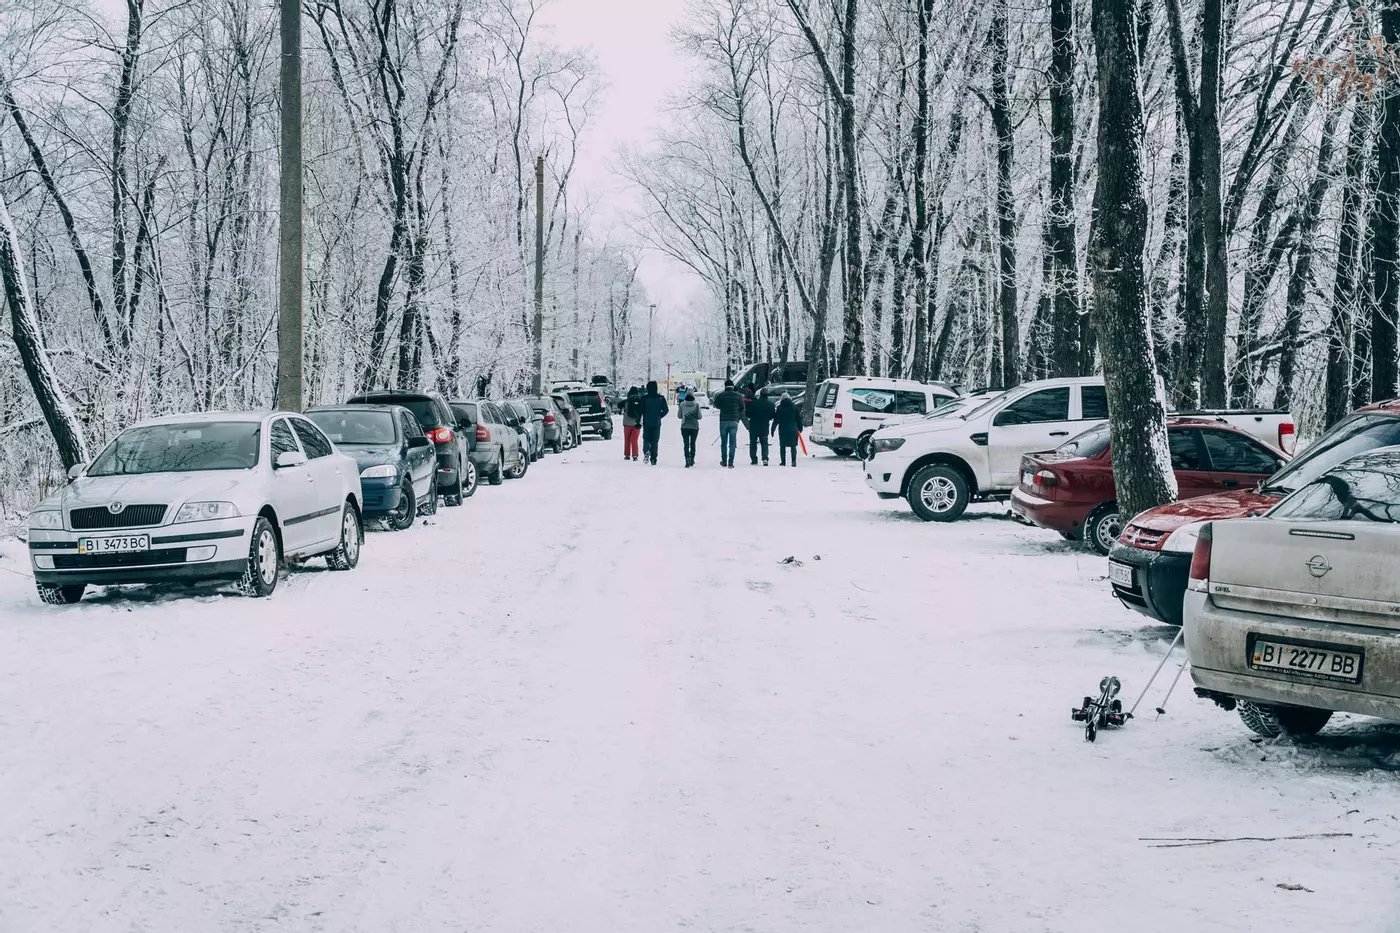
(595, 700)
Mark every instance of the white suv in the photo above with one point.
(850, 408)
(942, 464)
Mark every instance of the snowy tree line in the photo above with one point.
(140, 191)
(908, 186)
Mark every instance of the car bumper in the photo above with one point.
(1217, 641)
(1064, 517)
(191, 551)
(885, 475)
(598, 423)
(1159, 581)
(380, 495)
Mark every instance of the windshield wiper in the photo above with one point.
(1274, 490)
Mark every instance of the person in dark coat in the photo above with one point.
(688, 410)
(730, 405)
(760, 417)
(654, 408)
(787, 424)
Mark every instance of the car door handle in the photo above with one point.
(1059, 434)
(1230, 483)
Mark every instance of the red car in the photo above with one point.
(1070, 489)
(1149, 565)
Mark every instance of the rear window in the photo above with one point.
(465, 412)
(1091, 443)
(588, 401)
(424, 409)
(826, 395)
(1351, 436)
(1363, 489)
(356, 428)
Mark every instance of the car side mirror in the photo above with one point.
(75, 471)
(289, 458)
(419, 441)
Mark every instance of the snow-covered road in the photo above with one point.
(595, 700)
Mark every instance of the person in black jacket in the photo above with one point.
(760, 415)
(654, 408)
(730, 405)
(787, 424)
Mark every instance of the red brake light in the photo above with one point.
(548, 419)
(1287, 429)
(1047, 478)
(440, 435)
(836, 420)
(1200, 562)
(482, 434)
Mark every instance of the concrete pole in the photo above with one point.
(538, 335)
(289, 285)
(651, 325)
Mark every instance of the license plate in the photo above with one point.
(114, 545)
(1318, 662)
(1121, 574)
(1028, 479)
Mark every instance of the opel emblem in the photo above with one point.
(1318, 566)
(115, 507)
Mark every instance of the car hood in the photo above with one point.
(920, 425)
(1218, 506)
(165, 488)
(372, 456)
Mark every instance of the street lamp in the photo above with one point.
(651, 325)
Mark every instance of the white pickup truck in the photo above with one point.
(942, 464)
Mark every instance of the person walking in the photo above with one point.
(654, 408)
(730, 405)
(631, 423)
(760, 416)
(787, 424)
(688, 410)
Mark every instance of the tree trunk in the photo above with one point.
(852, 362)
(1062, 280)
(1385, 229)
(29, 341)
(1006, 198)
(918, 249)
(1212, 228)
(1338, 401)
(1187, 389)
(1138, 426)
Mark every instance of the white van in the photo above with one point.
(850, 408)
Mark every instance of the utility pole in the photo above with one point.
(539, 276)
(651, 325)
(289, 352)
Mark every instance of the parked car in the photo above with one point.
(552, 420)
(397, 461)
(499, 453)
(1071, 489)
(208, 496)
(456, 479)
(850, 408)
(1148, 566)
(573, 422)
(593, 412)
(528, 423)
(942, 464)
(1293, 616)
(761, 374)
(1273, 427)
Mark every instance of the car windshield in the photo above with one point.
(1354, 435)
(180, 448)
(356, 428)
(1090, 443)
(1365, 488)
(995, 399)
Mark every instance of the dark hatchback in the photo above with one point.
(593, 412)
(434, 416)
(398, 475)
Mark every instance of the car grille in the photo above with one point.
(133, 516)
(1143, 537)
(174, 555)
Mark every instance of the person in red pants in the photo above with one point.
(631, 424)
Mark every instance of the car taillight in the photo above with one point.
(1287, 429)
(836, 420)
(1047, 478)
(548, 419)
(1200, 562)
(440, 435)
(482, 434)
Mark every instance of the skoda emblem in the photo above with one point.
(115, 507)
(1318, 566)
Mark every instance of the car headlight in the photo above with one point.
(49, 518)
(205, 511)
(887, 443)
(383, 471)
(1183, 540)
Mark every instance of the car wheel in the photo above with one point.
(401, 519)
(264, 561)
(607, 435)
(938, 493)
(520, 470)
(347, 554)
(863, 445)
(1274, 721)
(1102, 528)
(431, 507)
(469, 480)
(61, 595)
(497, 475)
(843, 451)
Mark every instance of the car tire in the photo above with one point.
(1102, 528)
(938, 493)
(607, 435)
(1274, 721)
(61, 595)
(843, 452)
(401, 519)
(470, 479)
(352, 535)
(863, 445)
(264, 561)
(432, 506)
(497, 476)
(520, 471)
